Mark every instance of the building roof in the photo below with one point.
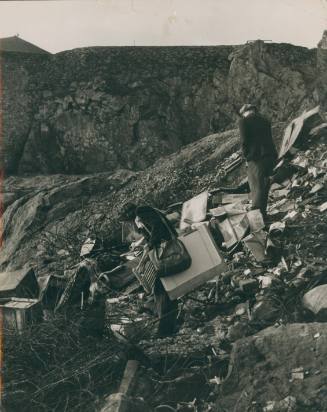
(18, 45)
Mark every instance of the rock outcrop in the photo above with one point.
(322, 71)
(54, 212)
(263, 369)
(47, 214)
(51, 213)
(106, 108)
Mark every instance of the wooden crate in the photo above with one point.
(18, 313)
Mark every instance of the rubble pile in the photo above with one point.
(264, 283)
(276, 269)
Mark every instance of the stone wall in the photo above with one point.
(102, 108)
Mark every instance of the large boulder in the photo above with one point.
(54, 218)
(321, 89)
(275, 363)
(258, 68)
(316, 302)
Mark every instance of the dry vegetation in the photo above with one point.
(53, 366)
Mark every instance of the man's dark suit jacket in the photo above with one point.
(256, 138)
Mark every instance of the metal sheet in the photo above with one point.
(293, 130)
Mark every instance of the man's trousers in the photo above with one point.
(259, 182)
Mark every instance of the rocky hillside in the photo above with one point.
(47, 218)
(106, 108)
(255, 340)
(93, 128)
(52, 215)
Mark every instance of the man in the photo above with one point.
(155, 228)
(259, 152)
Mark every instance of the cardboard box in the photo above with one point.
(19, 313)
(194, 210)
(207, 263)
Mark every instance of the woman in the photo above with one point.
(155, 228)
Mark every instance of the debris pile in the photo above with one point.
(275, 272)
(248, 273)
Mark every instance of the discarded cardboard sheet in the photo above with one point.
(195, 225)
(316, 188)
(265, 281)
(278, 194)
(240, 224)
(282, 206)
(234, 198)
(291, 133)
(194, 210)
(277, 227)
(256, 242)
(291, 215)
(275, 186)
(234, 223)
(218, 212)
(298, 373)
(87, 247)
(323, 207)
(235, 208)
(300, 161)
(288, 206)
(308, 119)
(228, 232)
(255, 219)
(319, 130)
(229, 210)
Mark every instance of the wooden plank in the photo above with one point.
(129, 377)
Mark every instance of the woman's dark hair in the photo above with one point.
(128, 212)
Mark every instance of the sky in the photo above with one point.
(66, 24)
